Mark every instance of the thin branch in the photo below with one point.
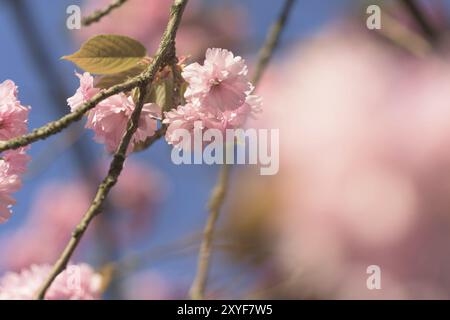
(422, 20)
(197, 290)
(271, 43)
(164, 56)
(99, 14)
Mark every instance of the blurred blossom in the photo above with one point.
(134, 200)
(55, 211)
(76, 282)
(365, 172)
(148, 285)
(203, 26)
(139, 189)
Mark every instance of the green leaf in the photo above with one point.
(109, 80)
(108, 54)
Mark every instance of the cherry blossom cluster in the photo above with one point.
(13, 122)
(109, 118)
(218, 95)
(76, 282)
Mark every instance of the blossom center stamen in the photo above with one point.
(214, 82)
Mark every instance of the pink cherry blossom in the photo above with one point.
(85, 92)
(186, 115)
(218, 96)
(17, 160)
(221, 83)
(13, 122)
(182, 117)
(232, 119)
(110, 117)
(8, 92)
(13, 116)
(9, 183)
(77, 282)
(109, 121)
